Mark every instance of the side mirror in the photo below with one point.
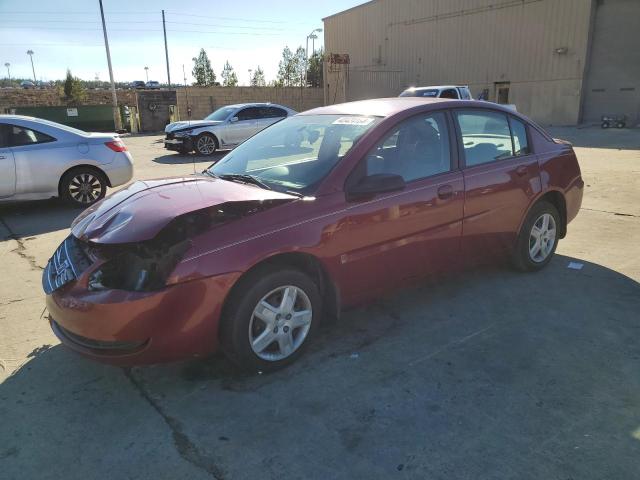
(233, 119)
(374, 184)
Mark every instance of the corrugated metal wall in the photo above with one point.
(394, 44)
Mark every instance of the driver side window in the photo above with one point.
(416, 148)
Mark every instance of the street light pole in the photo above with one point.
(306, 54)
(114, 98)
(250, 70)
(8, 72)
(146, 71)
(30, 53)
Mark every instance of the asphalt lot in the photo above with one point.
(486, 374)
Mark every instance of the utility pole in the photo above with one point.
(166, 49)
(116, 113)
(146, 70)
(30, 53)
(8, 72)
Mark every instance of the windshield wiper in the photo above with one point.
(206, 171)
(246, 178)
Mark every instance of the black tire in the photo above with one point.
(620, 125)
(522, 257)
(238, 314)
(83, 186)
(605, 125)
(206, 144)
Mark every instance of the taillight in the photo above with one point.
(117, 146)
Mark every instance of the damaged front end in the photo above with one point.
(146, 265)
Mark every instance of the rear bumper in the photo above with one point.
(120, 170)
(573, 198)
(133, 328)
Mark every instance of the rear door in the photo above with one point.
(269, 116)
(7, 165)
(501, 176)
(39, 160)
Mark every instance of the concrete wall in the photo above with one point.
(14, 97)
(204, 100)
(612, 82)
(394, 44)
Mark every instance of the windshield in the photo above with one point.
(296, 153)
(221, 114)
(431, 92)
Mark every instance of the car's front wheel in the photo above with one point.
(538, 237)
(270, 319)
(83, 186)
(206, 144)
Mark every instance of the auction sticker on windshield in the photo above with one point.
(353, 121)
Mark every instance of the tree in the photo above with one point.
(315, 70)
(73, 89)
(299, 66)
(286, 69)
(202, 71)
(257, 79)
(229, 77)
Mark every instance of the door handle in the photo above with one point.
(522, 170)
(445, 192)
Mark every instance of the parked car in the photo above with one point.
(26, 84)
(325, 209)
(223, 129)
(137, 84)
(441, 91)
(152, 85)
(42, 159)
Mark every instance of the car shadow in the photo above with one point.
(507, 356)
(180, 159)
(26, 219)
(596, 137)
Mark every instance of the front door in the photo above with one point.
(245, 126)
(410, 233)
(7, 165)
(501, 177)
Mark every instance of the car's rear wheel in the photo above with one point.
(538, 237)
(83, 186)
(206, 144)
(270, 319)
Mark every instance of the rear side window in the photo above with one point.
(449, 93)
(465, 94)
(4, 136)
(250, 113)
(272, 112)
(21, 136)
(519, 133)
(486, 136)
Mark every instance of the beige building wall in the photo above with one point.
(394, 44)
(204, 100)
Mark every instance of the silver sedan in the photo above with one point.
(41, 159)
(225, 128)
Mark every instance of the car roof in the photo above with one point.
(386, 107)
(439, 87)
(256, 104)
(378, 107)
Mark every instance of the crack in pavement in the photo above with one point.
(184, 446)
(22, 249)
(613, 213)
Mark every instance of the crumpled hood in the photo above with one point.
(140, 211)
(177, 126)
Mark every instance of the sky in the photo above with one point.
(68, 34)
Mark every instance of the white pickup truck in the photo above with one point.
(460, 92)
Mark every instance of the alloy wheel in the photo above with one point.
(85, 188)
(542, 238)
(280, 323)
(206, 145)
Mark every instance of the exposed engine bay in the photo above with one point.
(146, 265)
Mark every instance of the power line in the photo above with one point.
(67, 22)
(134, 30)
(239, 19)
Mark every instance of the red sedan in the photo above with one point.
(325, 209)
